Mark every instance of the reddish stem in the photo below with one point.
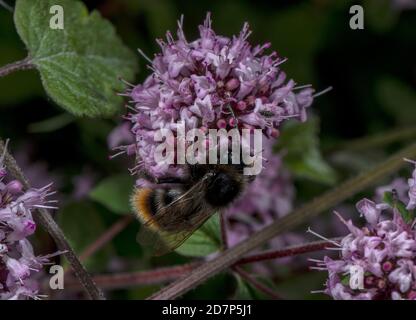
(162, 275)
(106, 237)
(286, 252)
(130, 279)
(24, 64)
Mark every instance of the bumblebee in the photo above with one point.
(170, 215)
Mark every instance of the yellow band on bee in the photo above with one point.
(141, 201)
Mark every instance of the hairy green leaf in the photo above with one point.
(245, 291)
(79, 64)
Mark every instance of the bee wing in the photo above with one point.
(176, 222)
(165, 241)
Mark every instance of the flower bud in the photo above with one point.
(221, 124)
(14, 187)
(232, 84)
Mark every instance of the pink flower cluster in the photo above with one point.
(377, 261)
(211, 82)
(18, 263)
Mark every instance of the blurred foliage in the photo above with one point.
(373, 72)
(299, 143)
(114, 193)
(12, 49)
(76, 220)
(390, 91)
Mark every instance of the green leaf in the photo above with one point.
(391, 199)
(388, 198)
(205, 240)
(114, 193)
(300, 142)
(82, 224)
(245, 291)
(218, 287)
(80, 64)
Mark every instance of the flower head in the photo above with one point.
(18, 264)
(377, 261)
(211, 82)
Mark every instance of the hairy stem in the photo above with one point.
(299, 216)
(105, 238)
(286, 252)
(132, 279)
(24, 64)
(49, 224)
(256, 284)
(163, 275)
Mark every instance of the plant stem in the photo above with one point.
(223, 227)
(46, 220)
(299, 216)
(256, 284)
(130, 279)
(286, 252)
(106, 237)
(6, 6)
(24, 64)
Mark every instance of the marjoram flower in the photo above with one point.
(18, 263)
(213, 82)
(377, 261)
